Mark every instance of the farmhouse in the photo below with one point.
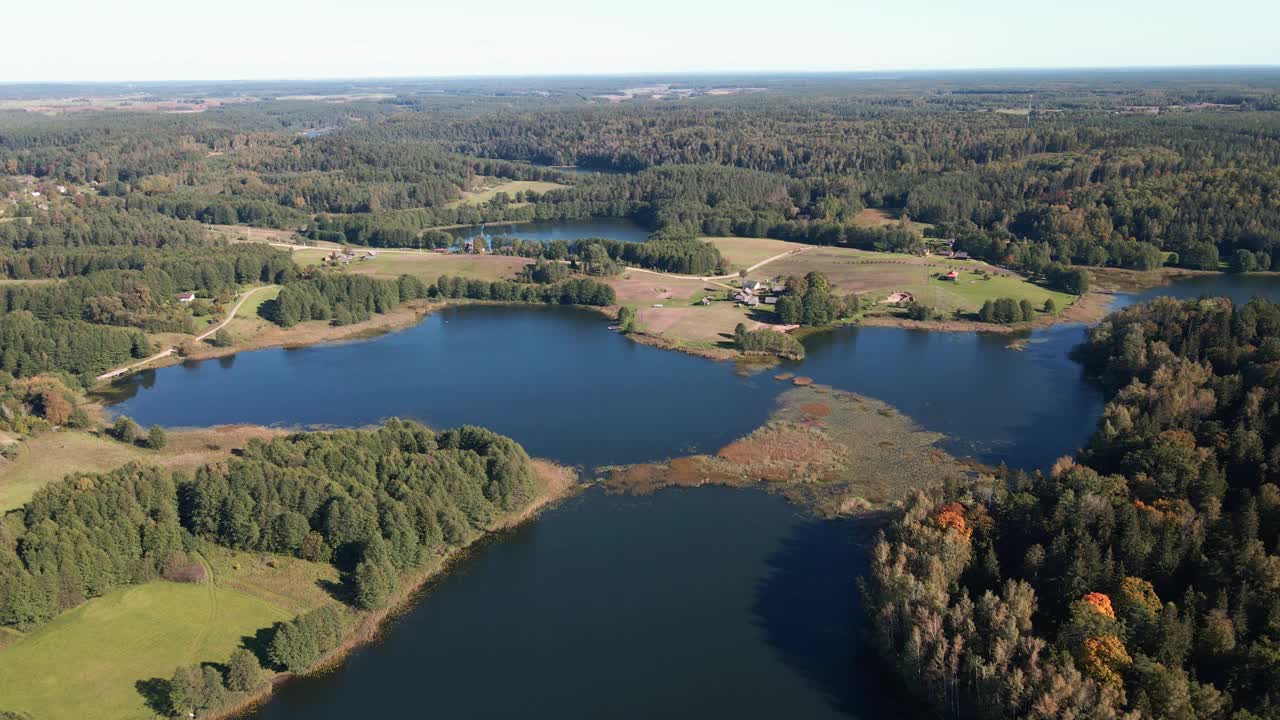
(952, 276)
(754, 287)
(186, 297)
(900, 297)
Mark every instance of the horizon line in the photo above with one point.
(761, 73)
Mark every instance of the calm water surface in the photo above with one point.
(687, 604)
(612, 607)
(568, 230)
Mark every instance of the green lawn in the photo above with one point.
(250, 308)
(88, 662)
(970, 291)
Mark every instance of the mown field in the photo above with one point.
(103, 658)
(426, 265)
(250, 307)
(740, 253)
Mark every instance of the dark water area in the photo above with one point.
(567, 230)
(568, 389)
(685, 604)
(1240, 288)
(559, 382)
(619, 607)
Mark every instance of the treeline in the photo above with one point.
(30, 346)
(1140, 579)
(810, 300)
(210, 267)
(767, 342)
(99, 224)
(376, 503)
(573, 291)
(344, 298)
(1007, 310)
(681, 255)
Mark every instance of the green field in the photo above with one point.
(90, 661)
(970, 290)
(250, 308)
(53, 456)
(741, 253)
(494, 186)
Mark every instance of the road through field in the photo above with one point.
(166, 353)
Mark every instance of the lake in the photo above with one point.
(619, 607)
(567, 230)
(686, 604)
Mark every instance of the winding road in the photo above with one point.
(166, 353)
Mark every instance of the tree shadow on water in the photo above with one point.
(810, 609)
(155, 692)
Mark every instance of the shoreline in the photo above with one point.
(557, 483)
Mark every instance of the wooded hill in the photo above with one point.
(1142, 578)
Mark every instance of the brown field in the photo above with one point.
(244, 233)
(642, 289)
(712, 325)
(879, 217)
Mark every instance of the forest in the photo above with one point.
(1078, 179)
(1138, 579)
(377, 504)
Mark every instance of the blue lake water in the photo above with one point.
(686, 604)
(567, 230)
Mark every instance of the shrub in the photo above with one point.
(125, 430)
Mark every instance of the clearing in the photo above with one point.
(98, 660)
(249, 308)
(52, 456)
(428, 266)
(244, 233)
(491, 186)
(742, 253)
(879, 217)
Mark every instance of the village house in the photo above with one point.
(186, 297)
(952, 276)
(754, 287)
(961, 256)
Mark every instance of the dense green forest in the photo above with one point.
(1140, 579)
(376, 503)
(1130, 170)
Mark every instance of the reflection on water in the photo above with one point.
(687, 604)
(567, 230)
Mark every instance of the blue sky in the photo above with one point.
(234, 39)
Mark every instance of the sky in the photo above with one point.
(92, 40)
